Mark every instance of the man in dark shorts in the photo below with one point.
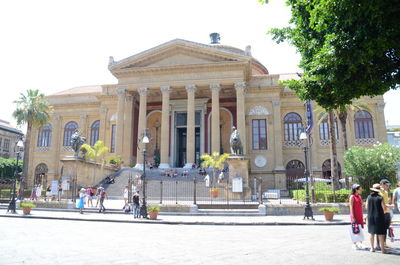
(385, 185)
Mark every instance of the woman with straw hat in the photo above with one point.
(376, 218)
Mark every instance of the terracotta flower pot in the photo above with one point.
(153, 215)
(214, 193)
(329, 216)
(26, 210)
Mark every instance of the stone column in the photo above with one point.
(55, 145)
(141, 124)
(83, 126)
(215, 129)
(190, 126)
(380, 127)
(120, 121)
(127, 142)
(240, 113)
(164, 159)
(103, 125)
(278, 135)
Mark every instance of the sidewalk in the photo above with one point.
(182, 220)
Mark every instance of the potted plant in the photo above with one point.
(116, 162)
(153, 211)
(214, 192)
(27, 206)
(329, 212)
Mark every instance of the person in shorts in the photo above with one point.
(385, 188)
(98, 193)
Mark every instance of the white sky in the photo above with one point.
(56, 45)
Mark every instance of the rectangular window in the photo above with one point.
(1, 140)
(6, 145)
(259, 128)
(113, 132)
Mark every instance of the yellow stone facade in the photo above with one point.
(189, 95)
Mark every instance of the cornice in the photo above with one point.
(180, 68)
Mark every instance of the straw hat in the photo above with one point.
(376, 187)
(83, 190)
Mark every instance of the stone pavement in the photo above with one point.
(42, 242)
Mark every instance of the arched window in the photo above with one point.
(41, 175)
(293, 125)
(363, 125)
(326, 169)
(44, 136)
(94, 132)
(324, 129)
(68, 131)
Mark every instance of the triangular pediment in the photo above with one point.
(178, 53)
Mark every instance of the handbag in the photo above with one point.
(355, 228)
(356, 237)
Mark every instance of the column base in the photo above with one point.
(164, 166)
(188, 165)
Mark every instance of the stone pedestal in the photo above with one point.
(239, 167)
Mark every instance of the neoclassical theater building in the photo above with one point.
(188, 96)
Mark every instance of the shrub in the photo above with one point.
(27, 204)
(154, 208)
(329, 209)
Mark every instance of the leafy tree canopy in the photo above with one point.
(349, 48)
(369, 165)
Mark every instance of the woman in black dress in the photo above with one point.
(376, 221)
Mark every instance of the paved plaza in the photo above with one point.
(40, 241)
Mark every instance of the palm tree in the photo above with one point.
(216, 161)
(33, 110)
(96, 154)
(342, 113)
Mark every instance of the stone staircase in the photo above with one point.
(185, 179)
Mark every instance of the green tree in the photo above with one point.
(215, 161)
(349, 48)
(369, 165)
(33, 110)
(96, 154)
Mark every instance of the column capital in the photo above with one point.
(165, 89)
(240, 86)
(121, 91)
(143, 91)
(190, 88)
(56, 117)
(381, 105)
(276, 103)
(129, 98)
(215, 87)
(103, 110)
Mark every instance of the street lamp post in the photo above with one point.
(143, 209)
(308, 213)
(12, 204)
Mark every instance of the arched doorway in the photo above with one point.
(294, 170)
(41, 175)
(326, 169)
